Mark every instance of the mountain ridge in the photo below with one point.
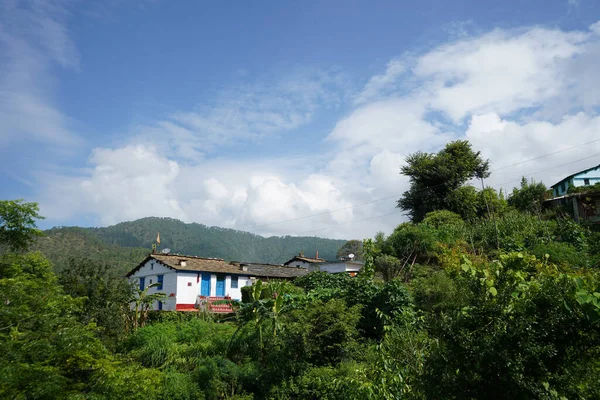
(126, 243)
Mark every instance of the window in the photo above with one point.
(151, 281)
(160, 282)
(586, 181)
(152, 266)
(142, 283)
(562, 187)
(234, 282)
(160, 305)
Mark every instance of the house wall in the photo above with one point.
(592, 176)
(188, 288)
(150, 272)
(337, 268)
(189, 283)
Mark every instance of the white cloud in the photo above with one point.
(381, 84)
(508, 142)
(515, 94)
(500, 71)
(123, 184)
(249, 112)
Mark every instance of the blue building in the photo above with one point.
(586, 177)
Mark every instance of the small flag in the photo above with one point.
(158, 238)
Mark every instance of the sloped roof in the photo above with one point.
(575, 174)
(218, 265)
(305, 259)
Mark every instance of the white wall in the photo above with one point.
(336, 268)
(236, 294)
(175, 284)
(150, 272)
(188, 287)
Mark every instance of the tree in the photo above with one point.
(17, 224)
(105, 294)
(436, 178)
(45, 352)
(351, 247)
(529, 197)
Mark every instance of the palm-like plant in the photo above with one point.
(142, 302)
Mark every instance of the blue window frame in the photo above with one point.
(160, 282)
(142, 283)
(234, 282)
(160, 305)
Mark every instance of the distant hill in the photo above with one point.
(127, 243)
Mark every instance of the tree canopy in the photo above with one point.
(17, 224)
(437, 181)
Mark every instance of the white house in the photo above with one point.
(300, 261)
(187, 280)
(349, 267)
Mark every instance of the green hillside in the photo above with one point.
(125, 244)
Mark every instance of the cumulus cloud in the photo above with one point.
(123, 184)
(515, 94)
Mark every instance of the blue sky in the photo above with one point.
(251, 115)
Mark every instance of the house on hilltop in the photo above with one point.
(587, 177)
(191, 282)
(577, 195)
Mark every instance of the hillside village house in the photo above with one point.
(587, 177)
(190, 281)
(300, 261)
(346, 265)
(350, 267)
(583, 205)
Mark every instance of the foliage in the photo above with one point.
(441, 218)
(41, 339)
(105, 296)
(584, 189)
(351, 247)
(436, 179)
(488, 303)
(517, 330)
(388, 266)
(17, 224)
(529, 197)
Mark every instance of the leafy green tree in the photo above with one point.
(518, 331)
(17, 224)
(351, 247)
(45, 352)
(436, 178)
(105, 294)
(529, 197)
(388, 266)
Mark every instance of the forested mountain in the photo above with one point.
(125, 244)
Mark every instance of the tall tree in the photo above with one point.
(17, 224)
(436, 179)
(529, 197)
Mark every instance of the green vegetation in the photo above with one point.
(501, 304)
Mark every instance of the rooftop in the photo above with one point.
(218, 265)
(301, 257)
(575, 174)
